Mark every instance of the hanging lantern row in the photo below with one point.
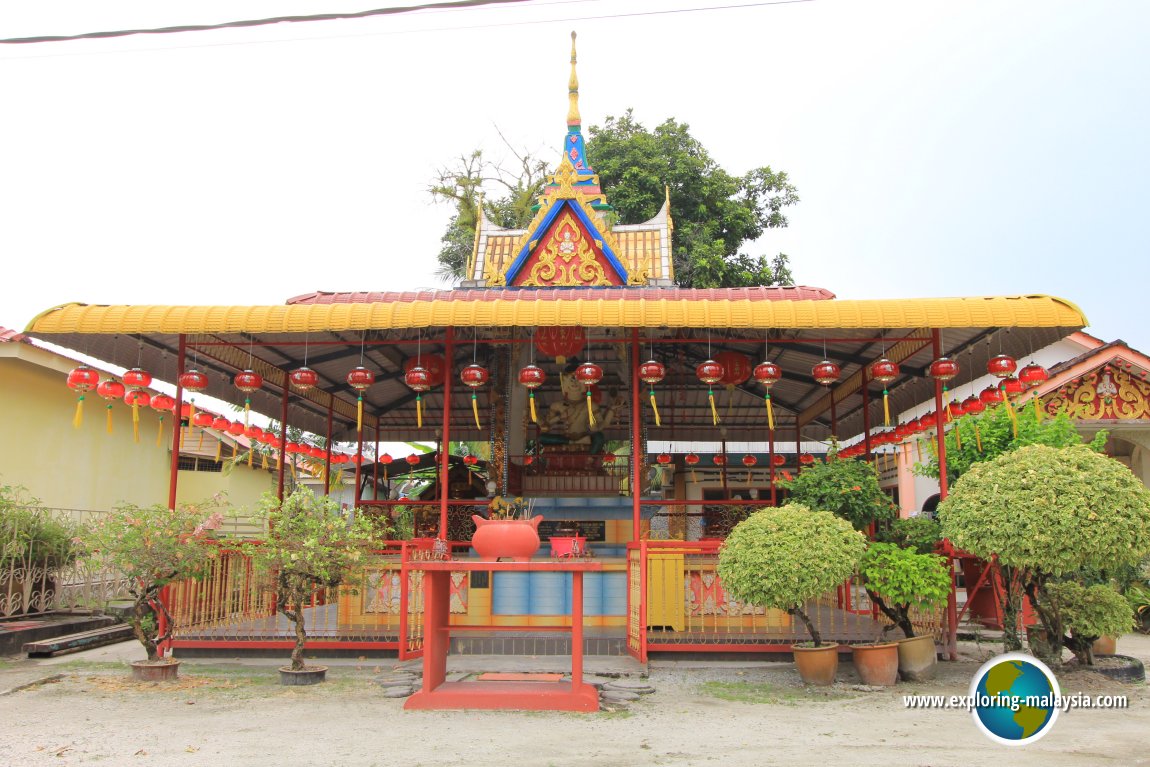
(532, 376)
(474, 377)
(589, 374)
(767, 374)
(884, 371)
(710, 372)
(652, 372)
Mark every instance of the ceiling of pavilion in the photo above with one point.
(798, 322)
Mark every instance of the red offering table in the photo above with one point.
(437, 693)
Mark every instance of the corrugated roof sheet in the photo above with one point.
(589, 308)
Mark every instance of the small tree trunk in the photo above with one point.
(899, 615)
(815, 637)
(1051, 621)
(1011, 607)
(141, 611)
(296, 617)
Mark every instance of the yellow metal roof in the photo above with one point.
(997, 311)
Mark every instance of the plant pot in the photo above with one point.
(817, 665)
(1105, 645)
(303, 677)
(164, 670)
(877, 664)
(1123, 668)
(917, 658)
(514, 539)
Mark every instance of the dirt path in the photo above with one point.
(221, 715)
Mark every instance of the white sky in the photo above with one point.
(940, 148)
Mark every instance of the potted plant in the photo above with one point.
(510, 532)
(783, 557)
(34, 545)
(1087, 613)
(153, 546)
(310, 546)
(898, 580)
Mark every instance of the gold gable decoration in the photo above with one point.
(567, 260)
(1109, 393)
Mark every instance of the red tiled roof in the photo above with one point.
(796, 293)
(12, 336)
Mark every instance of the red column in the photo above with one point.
(436, 603)
(445, 452)
(283, 440)
(576, 629)
(636, 438)
(771, 461)
(940, 436)
(866, 417)
(174, 468)
(327, 452)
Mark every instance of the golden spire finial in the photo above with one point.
(573, 89)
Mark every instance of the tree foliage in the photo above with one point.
(153, 546)
(1087, 613)
(715, 213)
(310, 546)
(782, 557)
(898, 579)
(919, 534)
(846, 487)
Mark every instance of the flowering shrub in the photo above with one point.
(153, 546)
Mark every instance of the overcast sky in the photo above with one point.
(939, 148)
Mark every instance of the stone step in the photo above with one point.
(82, 640)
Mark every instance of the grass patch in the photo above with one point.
(772, 694)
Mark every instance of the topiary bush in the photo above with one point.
(899, 579)
(844, 486)
(919, 534)
(782, 557)
(1087, 613)
(1047, 512)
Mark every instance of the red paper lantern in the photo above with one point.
(470, 460)
(806, 459)
(928, 421)
(957, 409)
(193, 380)
(1001, 366)
(163, 402)
(709, 372)
(532, 376)
(719, 460)
(943, 369)
(884, 371)
(779, 459)
(235, 428)
(768, 374)
(317, 452)
(736, 367)
(609, 458)
(203, 419)
(303, 378)
(412, 459)
(560, 342)
(691, 459)
(219, 423)
(652, 372)
(359, 378)
(248, 381)
(83, 378)
(473, 376)
(972, 405)
(291, 448)
(185, 411)
(749, 460)
(1013, 387)
(826, 372)
(417, 378)
(253, 432)
(110, 389)
(137, 398)
(1032, 375)
(663, 458)
(385, 459)
(138, 378)
(432, 363)
(991, 395)
(589, 374)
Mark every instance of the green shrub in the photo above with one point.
(844, 486)
(30, 535)
(780, 558)
(899, 579)
(919, 534)
(1087, 613)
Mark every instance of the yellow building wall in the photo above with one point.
(87, 468)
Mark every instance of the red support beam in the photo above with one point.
(174, 468)
(445, 451)
(636, 439)
(943, 490)
(283, 443)
(866, 417)
(327, 454)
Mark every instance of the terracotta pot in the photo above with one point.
(514, 539)
(1105, 645)
(917, 658)
(155, 670)
(877, 664)
(817, 665)
(303, 677)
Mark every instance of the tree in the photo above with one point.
(715, 213)
(1048, 514)
(847, 488)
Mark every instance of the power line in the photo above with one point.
(392, 11)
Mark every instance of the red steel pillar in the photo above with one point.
(636, 439)
(943, 489)
(445, 451)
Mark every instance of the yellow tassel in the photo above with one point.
(1037, 411)
(136, 422)
(949, 413)
(339, 477)
(770, 413)
(264, 461)
(160, 433)
(748, 476)
(958, 437)
(1010, 411)
(694, 477)
(201, 445)
(247, 410)
(655, 407)
(108, 423)
(977, 438)
(251, 456)
(293, 472)
(475, 409)
(219, 449)
(418, 412)
(279, 463)
(531, 399)
(78, 418)
(590, 409)
(359, 413)
(714, 413)
(918, 448)
(886, 407)
(191, 419)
